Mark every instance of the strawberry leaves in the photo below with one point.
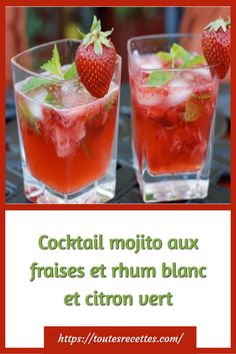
(96, 37)
(220, 23)
(95, 60)
(98, 47)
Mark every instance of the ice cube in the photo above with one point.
(149, 61)
(193, 54)
(178, 95)
(36, 110)
(177, 82)
(69, 95)
(35, 102)
(148, 97)
(188, 76)
(67, 131)
(63, 143)
(66, 140)
(39, 95)
(203, 71)
(73, 95)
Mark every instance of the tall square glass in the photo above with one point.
(172, 123)
(69, 148)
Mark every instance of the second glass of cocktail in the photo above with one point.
(173, 98)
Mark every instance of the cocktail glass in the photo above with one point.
(172, 122)
(68, 145)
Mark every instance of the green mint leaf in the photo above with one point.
(53, 100)
(179, 52)
(198, 59)
(71, 72)
(158, 78)
(33, 83)
(165, 56)
(53, 66)
(26, 115)
(193, 110)
(49, 98)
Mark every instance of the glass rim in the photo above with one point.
(32, 73)
(166, 35)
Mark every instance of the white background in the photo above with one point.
(204, 303)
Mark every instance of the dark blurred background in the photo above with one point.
(27, 27)
(30, 26)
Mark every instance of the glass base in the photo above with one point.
(166, 188)
(100, 191)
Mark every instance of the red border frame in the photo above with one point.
(4, 207)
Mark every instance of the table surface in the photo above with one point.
(127, 190)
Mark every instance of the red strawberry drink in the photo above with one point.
(172, 122)
(68, 135)
(67, 148)
(173, 96)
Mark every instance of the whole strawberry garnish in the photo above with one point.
(95, 60)
(216, 44)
